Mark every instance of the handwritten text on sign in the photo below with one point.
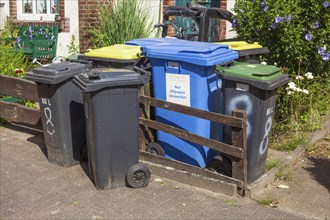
(178, 88)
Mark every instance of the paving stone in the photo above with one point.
(35, 189)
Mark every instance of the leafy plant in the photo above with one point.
(267, 202)
(18, 64)
(121, 22)
(73, 47)
(270, 164)
(231, 202)
(284, 173)
(10, 29)
(290, 143)
(297, 35)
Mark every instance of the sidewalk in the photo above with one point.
(32, 188)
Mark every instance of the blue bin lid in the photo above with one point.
(199, 53)
(145, 42)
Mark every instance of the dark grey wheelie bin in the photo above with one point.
(253, 88)
(111, 99)
(62, 111)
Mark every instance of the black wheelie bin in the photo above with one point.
(253, 88)
(111, 99)
(62, 111)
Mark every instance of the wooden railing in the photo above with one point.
(25, 89)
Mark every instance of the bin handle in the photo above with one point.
(145, 74)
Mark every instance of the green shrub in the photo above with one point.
(297, 35)
(124, 21)
(13, 63)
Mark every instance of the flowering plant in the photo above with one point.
(296, 32)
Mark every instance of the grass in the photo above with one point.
(289, 143)
(270, 164)
(231, 202)
(267, 202)
(284, 173)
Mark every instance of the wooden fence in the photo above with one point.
(25, 89)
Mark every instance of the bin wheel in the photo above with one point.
(221, 164)
(155, 148)
(138, 176)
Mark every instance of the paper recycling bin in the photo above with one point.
(62, 111)
(184, 73)
(116, 56)
(111, 99)
(253, 88)
(145, 42)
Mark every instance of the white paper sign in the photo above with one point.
(178, 88)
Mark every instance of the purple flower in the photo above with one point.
(325, 4)
(30, 29)
(279, 19)
(288, 17)
(46, 35)
(263, 4)
(52, 37)
(308, 37)
(325, 56)
(253, 1)
(316, 25)
(266, 8)
(234, 24)
(40, 31)
(18, 42)
(321, 50)
(31, 37)
(274, 25)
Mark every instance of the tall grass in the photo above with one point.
(121, 22)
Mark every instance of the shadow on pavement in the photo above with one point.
(37, 132)
(319, 170)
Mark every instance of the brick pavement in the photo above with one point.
(32, 188)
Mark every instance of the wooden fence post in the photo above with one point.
(239, 166)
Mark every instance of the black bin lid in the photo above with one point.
(100, 78)
(56, 72)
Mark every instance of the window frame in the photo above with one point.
(34, 16)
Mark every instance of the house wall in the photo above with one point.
(88, 12)
(4, 12)
(229, 33)
(70, 26)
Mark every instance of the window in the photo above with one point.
(37, 9)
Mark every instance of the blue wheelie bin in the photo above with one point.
(184, 73)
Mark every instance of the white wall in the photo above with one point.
(71, 11)
(230, 6)
(4, 12)
(155, 8)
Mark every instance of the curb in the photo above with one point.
(290, 159)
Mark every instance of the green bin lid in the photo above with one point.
(261, 76)
(258, 72)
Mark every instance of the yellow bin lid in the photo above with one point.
(117, 51)
(241, 45)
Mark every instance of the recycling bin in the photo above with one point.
(145, 42)
(62, 111)
(248, 52)
(111, 100)
(253, 88)
(184, 73)
(116, 56)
